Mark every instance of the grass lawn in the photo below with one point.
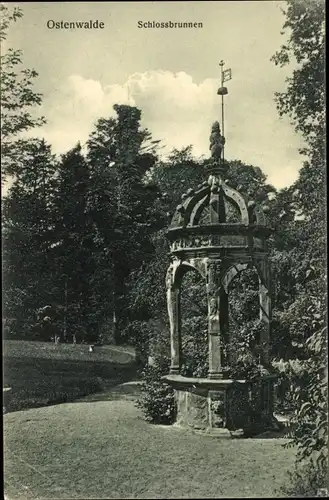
(105, 450)
(100, 447)
(42, 373)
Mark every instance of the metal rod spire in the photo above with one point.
(222, 85)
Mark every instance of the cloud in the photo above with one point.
(179, 111)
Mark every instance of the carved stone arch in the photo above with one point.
(261, 268)
(200, 265)
(198, 209)
(232, 272)
(181, 217)
(195, 200)
(260, 216)
(177, 220)
(181, 269)
(236, 198)
(170, 275)
(230, 204)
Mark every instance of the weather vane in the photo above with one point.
(226, 75)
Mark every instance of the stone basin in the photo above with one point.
(224, 407)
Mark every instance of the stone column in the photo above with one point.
(265, 310)
(217, 324)
(224, 316)
(173, 304)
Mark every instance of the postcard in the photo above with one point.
(164, 272)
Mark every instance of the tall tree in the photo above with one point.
(303, 101)
(121, 205)
(27, 236)
(18, 99)
(73, 258)
(304, 98)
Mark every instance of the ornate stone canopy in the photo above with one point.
(219, 233)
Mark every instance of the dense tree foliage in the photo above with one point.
(30, 163)
(122, 205)
(304, 97)
(304, 313)
(18, 99)
(72, 253)
(89, 220)
(27, 239)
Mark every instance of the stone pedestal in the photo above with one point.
(224, 408)
(192, 408)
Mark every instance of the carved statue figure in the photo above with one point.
(213, 307)
(212, 300)
(217, 141)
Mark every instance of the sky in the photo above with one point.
(172, 75)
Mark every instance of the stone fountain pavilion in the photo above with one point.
(205, 237)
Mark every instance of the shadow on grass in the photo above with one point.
(37, 382)
(129, 391)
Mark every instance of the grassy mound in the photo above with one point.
(42, 373)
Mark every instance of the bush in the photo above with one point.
(246, 366)
(311, 422)
(157, 399)
(311, 400)
(306, 481)
(292, 378)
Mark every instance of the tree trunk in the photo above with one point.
(65, 312)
